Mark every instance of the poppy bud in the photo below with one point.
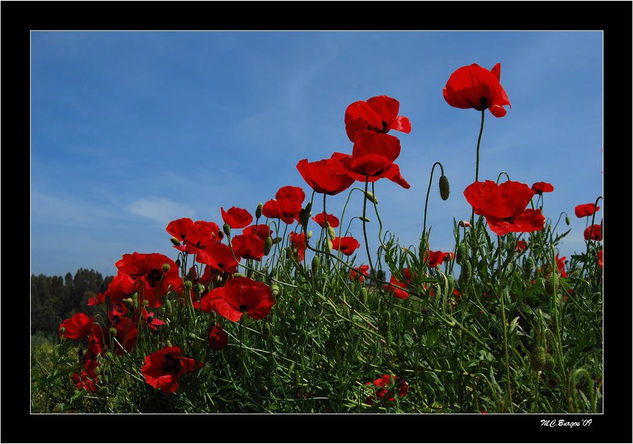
(567, 220)
(258, 210)
(370, 196)
(466, 273)
(145, 302)
(178, 262)
(309, 235)
(316, 264)
(329, 245)
(112, 331)
(444, 187)
(308, 208)
(62, 330)
(187, 284)
(135, 300)
(276, 240)
(129, 302)
(268, 244)
(363, 293)
(380, 275)
(537, 358)
(166, 268)
(331, 232)
(464, 223)
(227, 229)
(304, 216)
(240, 275)
(549, 362)
(169, 343)
(175, 241)
(274, 288)
(551, 283)
(201, 288)
(364, 219)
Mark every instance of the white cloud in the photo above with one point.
(159, 209)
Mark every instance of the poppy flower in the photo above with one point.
(152, 322)
(117, 312)
(248, 246)
(397, 292)
(600, 258)
(195, 236)
(286, 205)
(326, 176)
(503, 206)
(436, 258)
(236, 217)
(164, 367)
(322, 217)
(217, 338)
(240, 295)
(593, 232)
(372, 158)
(476, 87)
(261, 230)
(521, 246)
(155, 272)
(126, 336)
(121, 287)
(585, 210)
(298, 242)
(542, 187)
(76, 327)
(85, 381)
(359, 273)
(220, 257)
(346, 245)
(560, 264)
(379, 114)
(383, 393)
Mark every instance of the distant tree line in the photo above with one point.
(54, 298)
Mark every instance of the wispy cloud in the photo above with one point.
(159, 209)
(68, 210)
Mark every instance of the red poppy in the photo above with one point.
(379, 114)
(521, 246)
(117, 312)
(298, 241)
(220, 257)
(217, 338)
(475, 87)
(261, 230)
(148, 270)
(436, 258)
(164, 367)
(542, 187)
(322, 217)
(286, 205)
(346, 245)
(195, 236)
(560, 264)
(503, 206)
(372, 158)
(236, 217)
(585, 210)
(385, 394)
(76, 327)
(152, 322)
(248, 246)
(85, 381)
(593, 232)
(121, 287)
(238, 296)
(397, 292)
(359, 273)
(600, 258)
(326, 176)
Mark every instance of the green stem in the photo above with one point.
(371, 265)
(428, 191)
(481, 130)
(505, 327)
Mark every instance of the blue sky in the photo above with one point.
(131, 130)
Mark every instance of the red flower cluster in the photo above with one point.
(385, 390)
(476, 87)
(503, 206)
(163, 368)
(298, 245)
(397, 292)
(359, 273)
(286, 205)
(240, 295)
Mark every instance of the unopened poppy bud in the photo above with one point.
(109, 355)
(466, 273)
(567, 220)
(175, 241)
(187, 284)
(309, 235)
(112, 331)
(169, 343)
(304, 216)
(201, 288)
(364, 219)
(316, 264)
(166, 268)
(331, 232)
(240, 275)
(370, 196)
(537, 358)
(227, 229)
(274, 288)
(98, 370)
(549, 362)
(129, 302)
(62, 330)
(135, 300)
(363, 293)
(258, 210)
(444, 187)
(178, 262)
(308, 208)
(145, 302)
(268, 244)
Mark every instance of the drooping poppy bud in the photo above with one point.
(370, 196)
(365, 219)
(268, 244)
(444, 187)
(166, 268)
(227, 229)
(258, 210)
(331, 232)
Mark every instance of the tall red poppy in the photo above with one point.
(436, 258)
(542, 187)
(331, 220)
(151, 320)
(298, 243)
(286, 205)
(121, 287)
(585, 210)
(346, 245)
(372, 158)
(217, 337)
(326, 176)
(593, 232)
(236, 217)
(220, 257)
(76, 327)
(195, 236)
(476, 87)
(261, 230)
(560, 264)
(248, 246)
(503, 206)
(397, 292)
(240, 295)
(163, 368)
(379, 114)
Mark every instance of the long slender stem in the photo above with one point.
(371, 265)
(481, 130)
(428, 191)
(505, 327)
